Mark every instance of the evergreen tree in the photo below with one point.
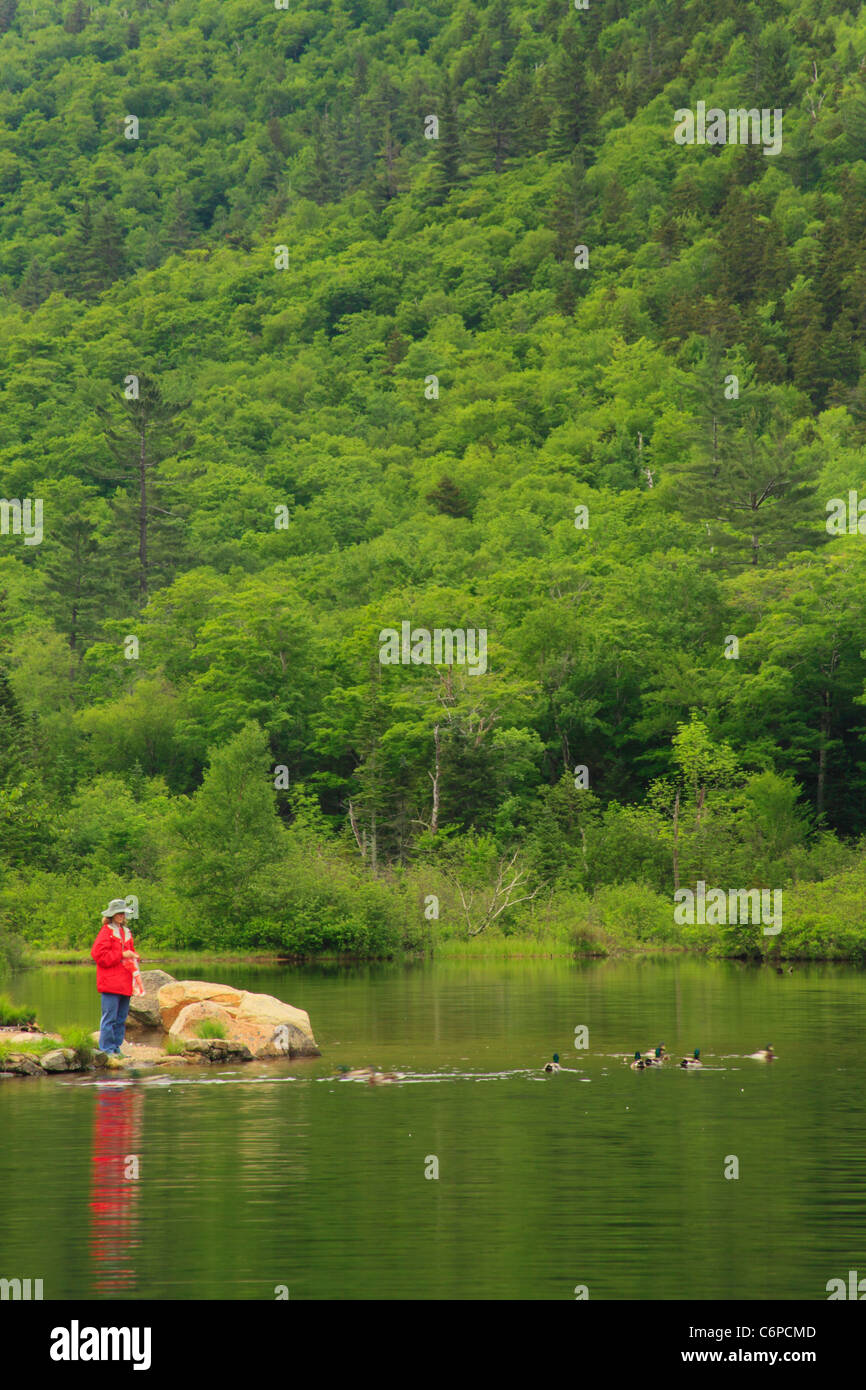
(7, 14)
(76, 18)
(140, 435)
(447, 498)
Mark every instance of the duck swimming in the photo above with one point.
(656, 1058)
(382, 1078)
(638, 1064)
(766, 1054)
(359, 1074)
(694, 1061)
(554, 1065)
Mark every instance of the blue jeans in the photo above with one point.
(112, 1026)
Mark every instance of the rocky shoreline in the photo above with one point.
(249, 1027)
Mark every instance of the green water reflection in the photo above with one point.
(277, 1175)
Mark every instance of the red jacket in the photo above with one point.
(113, 973)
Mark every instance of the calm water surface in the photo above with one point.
(276, 1174)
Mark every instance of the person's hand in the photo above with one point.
(128, 955)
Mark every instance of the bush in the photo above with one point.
(53, 910)
(210, 1028)
(81, 1041)
(313, 901)
(15, 1015)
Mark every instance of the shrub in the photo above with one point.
(80, 1040)
(15, 1015)
(210, 1028)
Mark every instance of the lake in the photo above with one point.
(276, 1175)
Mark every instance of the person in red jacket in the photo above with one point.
(114, 953)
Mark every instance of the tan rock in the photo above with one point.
(191, 1016)
(271, 1028)
(24, 1038)
(176, 996)
(23, 1065)
(267, 1026)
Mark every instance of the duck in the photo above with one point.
(694, 1061)
(655, 1056)
(766, 1054)
(359, 1074)
(554, 1065)
(638, 1064)
(382, 1078)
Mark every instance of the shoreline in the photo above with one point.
(495, 949)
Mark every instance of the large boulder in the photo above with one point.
(191, 1017)
(175, 996)
(271, 1028)
(144, 1009)
(265, 1025)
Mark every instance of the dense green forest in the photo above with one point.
(288, 362)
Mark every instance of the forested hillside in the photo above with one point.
(320, 320)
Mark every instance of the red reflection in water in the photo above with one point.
(114, 1236)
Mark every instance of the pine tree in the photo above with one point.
(446, 497)
(108, 245)
(7, 14)
(446, 150)
(76, 19)
(85, 271)
(140, 435)
(572, 115)
(741, 481)
(37, 284)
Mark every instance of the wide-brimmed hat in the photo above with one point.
(116, 905)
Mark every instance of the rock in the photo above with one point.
(26, 1037)
(218, 1050)
(271, 1028)
(144, 1011)
(264, 1025)
(62, 1059)
(142, 1054)
(99, 1058)
(175, 996)
(22, 1065)
(191, 1016)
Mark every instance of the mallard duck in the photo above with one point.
(693, 1061)
(766, 1054)
(382, 1078)
(359, 1074)
(638, 1064)
(655, 1057)
(554, 1065)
